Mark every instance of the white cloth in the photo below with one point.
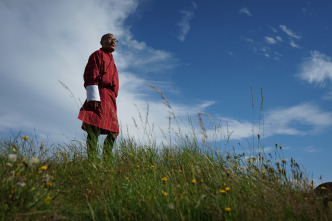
(92, 93)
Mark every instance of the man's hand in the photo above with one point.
(94, 105)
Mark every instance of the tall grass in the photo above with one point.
(182, 181)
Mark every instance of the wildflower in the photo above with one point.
(228, 209)
(12, 157)
(280, 147)
(227, 189)
(44, 167)
(152, 166)
(49, 184)
(222, 191)
(164, 179)
(34, 161)
(164, 193)
(323, 188)
(180, 171)
(202, 181)
(14, 149)
(276, 144)
(184, 193)
(283, 160)
(25, 138)
(171, 206)
(193, 181)
(22, 184)
(47, 200)
(228, 173)
(137, 166)
(64, 153)
(127, 178)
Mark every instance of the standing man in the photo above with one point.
(98, 112)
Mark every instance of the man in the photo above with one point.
(98, 113)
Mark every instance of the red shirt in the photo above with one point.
(101, 70)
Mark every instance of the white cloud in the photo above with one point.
(58, 37)
(307, 118)
(317, 69)
(279, 38)
(289, 32)
(270, 40)
(293, 44)
(245, 11)
(299, 120)
(184, 24)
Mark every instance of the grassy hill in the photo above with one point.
(142, 182)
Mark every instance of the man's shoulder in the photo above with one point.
(97, 52)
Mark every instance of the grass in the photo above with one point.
(185, 180)
(143, 183)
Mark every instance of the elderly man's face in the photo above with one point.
(109, 42)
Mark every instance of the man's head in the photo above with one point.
(108, 42)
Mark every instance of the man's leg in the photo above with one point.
(108, 145)
(91, 142)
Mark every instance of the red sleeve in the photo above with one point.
(91, 72)
(115, 81)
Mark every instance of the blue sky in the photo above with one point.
(203, 55)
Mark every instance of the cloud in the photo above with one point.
(58, 37)
(298, 120)
(244, 11)
(317, 69)
(289, 32)
(301, 119)
(270, 40)
(184, 24)
(293, 44)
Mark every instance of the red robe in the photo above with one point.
(101, 71)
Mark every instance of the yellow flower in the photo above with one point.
(283, 160)
(323, 188)
(228, 209)
(64, 153)
(152, 166)
(280, 147)
(47, 200)
(25, 138)
(228, 173)
(227, 189)
(164, 193)
(180, 171)
(137, 166)
(202, 181)
(49, 184)
(276, 144)
(193, 181)
(44, 167)
(127, 178)
(164, 179)
(222, 191)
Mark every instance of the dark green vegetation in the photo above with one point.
(181, 182)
